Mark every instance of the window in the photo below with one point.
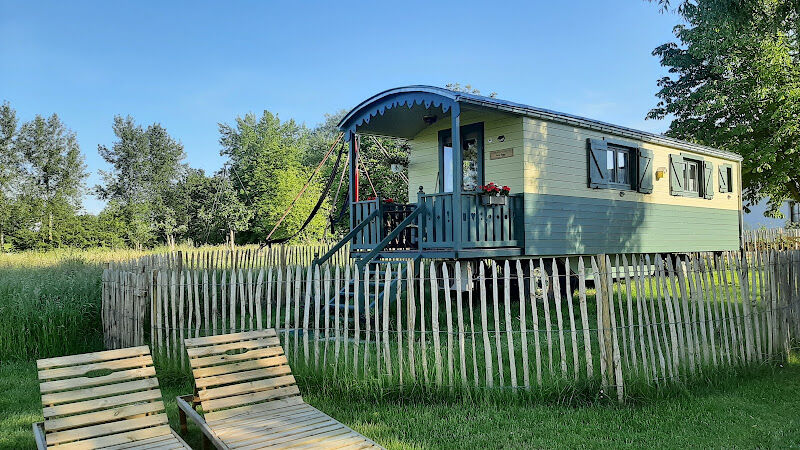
(794, 212)
(618, 166)
(729, 178)
(447, 163)
(692, 177)
(471, 158)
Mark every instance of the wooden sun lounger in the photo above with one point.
(250, 399)
(105, 399)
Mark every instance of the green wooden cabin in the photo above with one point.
(578, 186)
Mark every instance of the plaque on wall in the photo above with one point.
(500, 154)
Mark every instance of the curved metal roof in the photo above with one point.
(380, 114)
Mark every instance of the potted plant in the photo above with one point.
(492, 194)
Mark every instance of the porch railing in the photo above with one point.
(482, 226)
(370, 234)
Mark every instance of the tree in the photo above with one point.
(468, 89)
(735, 85)
(54, 169)
(266, 167)
(146, 165)
(9, 169)
(376, 153)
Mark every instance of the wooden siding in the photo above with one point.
(555, 163)
(569, 225)
(423, 164)
(564, 216)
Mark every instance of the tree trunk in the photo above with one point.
(2, 241)
(50, 227)
(232, 235)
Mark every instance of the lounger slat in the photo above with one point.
(221, 349)
(158, 440)
(104, 429)
(246, 387)
(80, 371)
(57, 398)
(120, 438)
(241, 376)
(224, 359)
(265, 425)
(298, 436)
(255, 397)
(243, 411)
(103, 403)
(206, 374)
(86, 358)
(81, 382)
(106, 415)
(225, 338)
(267, 420)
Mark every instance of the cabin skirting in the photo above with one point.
(565, 225)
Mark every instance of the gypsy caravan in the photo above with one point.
(575, 186)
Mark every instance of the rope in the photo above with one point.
(364, 166)
(286, 213)
(386, 153)
(320, 201)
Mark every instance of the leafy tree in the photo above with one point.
(54, 169)
(9, 169)
(377, 154)
(468, 89)
(230, 213)
(146, 165)
(266, 164)
(735, 85)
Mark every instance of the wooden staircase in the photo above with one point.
(371, 293)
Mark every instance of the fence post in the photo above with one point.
(611, 352)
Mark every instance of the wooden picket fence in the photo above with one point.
(249, 257)
(771, 239)
(632, 318)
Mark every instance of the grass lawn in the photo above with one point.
(755, 410)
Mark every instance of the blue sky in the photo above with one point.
(191, 65)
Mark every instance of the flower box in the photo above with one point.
(493, 195)
(493, 200)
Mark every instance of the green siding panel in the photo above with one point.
(564, 225)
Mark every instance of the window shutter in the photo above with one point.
(676, 174)
(644, 180)
(708, 180)
(598, 173)
(722, 171)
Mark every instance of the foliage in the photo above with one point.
(468, 89)
(146, 164)
(266, 163)
(735, 85)
(41, 179)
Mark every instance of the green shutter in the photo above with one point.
(677, 169)
(644, 180)
(597, 154)
(708, 180)
(722, 172)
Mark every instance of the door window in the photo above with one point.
(471, 158)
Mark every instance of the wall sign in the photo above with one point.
(500, 154)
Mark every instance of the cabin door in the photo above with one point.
(471, 157)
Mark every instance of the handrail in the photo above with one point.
(347, 237)
(390, 237)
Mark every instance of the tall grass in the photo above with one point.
(50, 301)
(50, 311)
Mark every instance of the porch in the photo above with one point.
(454, 221)
(431, 228)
